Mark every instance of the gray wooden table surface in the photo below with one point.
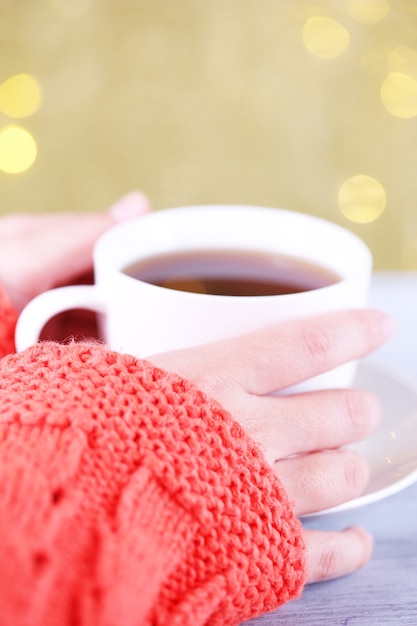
(384, 592)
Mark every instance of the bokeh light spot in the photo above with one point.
(362, 199)
(403, 59)
(20, 96)
(367, 11)
(325, 38)
(18, 149)
(399, 95)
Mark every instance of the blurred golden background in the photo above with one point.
(307, 105)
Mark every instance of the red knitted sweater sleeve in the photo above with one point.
(8, 318)
(129, 497)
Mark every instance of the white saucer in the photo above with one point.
(392, 450)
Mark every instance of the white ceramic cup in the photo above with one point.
(143, 319)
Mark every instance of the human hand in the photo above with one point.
(38, 252)
(303, 434)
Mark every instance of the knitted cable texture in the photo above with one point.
(128, 498)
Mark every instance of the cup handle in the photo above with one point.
(48, 304)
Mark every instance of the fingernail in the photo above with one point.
(388, 325)
(130, 205)
(367, 542)
(363, 532)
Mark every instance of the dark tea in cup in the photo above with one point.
(231, 272)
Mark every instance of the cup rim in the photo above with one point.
(102, 258)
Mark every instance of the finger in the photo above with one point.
(333, 554)
(19, 224)
(321, 480)
(289, 352)
(71, 238)
(42, 251)
(288, 425)
(130, 205)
